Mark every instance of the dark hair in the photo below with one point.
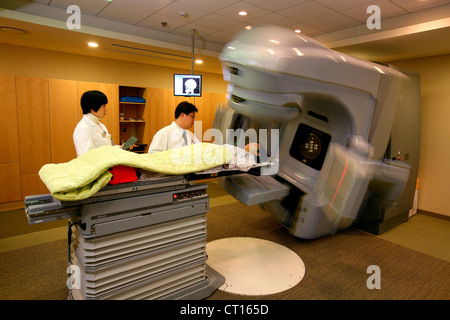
(92, 100)
(184, 107)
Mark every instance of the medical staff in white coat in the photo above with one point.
(90, 133)
(176, 135)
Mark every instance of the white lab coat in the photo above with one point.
(171, 137)
(89, 134)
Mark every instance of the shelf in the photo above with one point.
(132, 114)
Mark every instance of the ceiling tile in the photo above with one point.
(146, 5)
(173, 10)
(154, 22)
(334, 21)
(414, 5)
(275, 19)
(274, 6)
(91, 7)
(340, 5)
(123, 13)
(208, 5)
(306, 11)
(186, 30)
(220, 37)
(217, 21)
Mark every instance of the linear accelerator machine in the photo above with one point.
(342, 134)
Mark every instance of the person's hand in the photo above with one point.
(252, 148)
(130, 148)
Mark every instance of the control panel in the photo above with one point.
(187, 195)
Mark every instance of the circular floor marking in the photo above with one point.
(254, 266)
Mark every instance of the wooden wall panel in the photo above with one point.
(63, 119)
(155, 99)
(32, 185)
(33, 123)
(10, 178)
(8, 129)
(111, 120)
(160, 104)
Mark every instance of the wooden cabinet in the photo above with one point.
(33, 123)
(8, 129)
(63, 118)
(33, 118)
(9, 156)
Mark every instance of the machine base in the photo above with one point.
(214, 280)
(378, 227)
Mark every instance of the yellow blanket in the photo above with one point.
(82, 177)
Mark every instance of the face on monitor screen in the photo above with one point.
(188, 85)
(310, 146)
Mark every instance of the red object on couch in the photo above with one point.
(122, 174)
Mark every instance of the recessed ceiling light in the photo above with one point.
(198, 61)
(243, 13)
(297, 30)
(93, 44)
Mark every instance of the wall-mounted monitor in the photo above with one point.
(187, 85)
